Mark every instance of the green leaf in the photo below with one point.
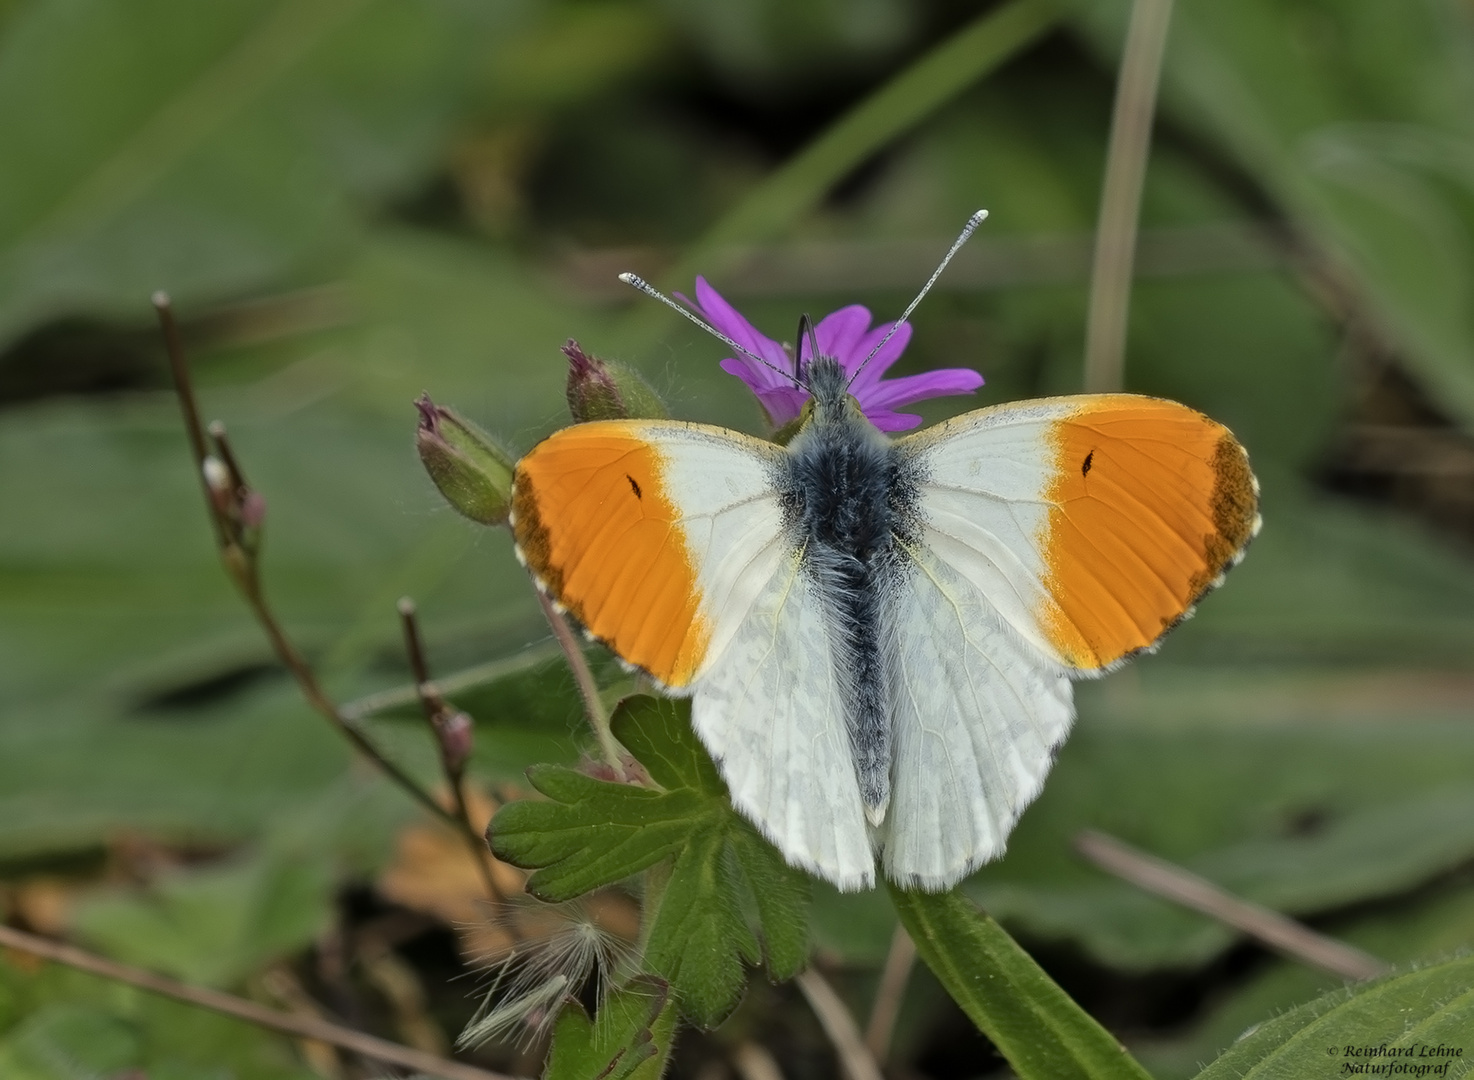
(59, 1024)
(1416, 1015)
(629, 1039)
(802, 183)
(1035, 1025)
(1354, 116)
(1339, 791)
(69, 1042)
(728, 894)
(1431, 924)
(215, 926)
(156, 153)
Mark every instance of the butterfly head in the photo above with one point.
(828, 387)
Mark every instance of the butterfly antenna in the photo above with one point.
(654, 293)
(962, 238)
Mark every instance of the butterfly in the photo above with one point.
(879, 636)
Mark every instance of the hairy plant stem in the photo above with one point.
(587, 687)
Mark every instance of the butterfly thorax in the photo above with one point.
(845, 502)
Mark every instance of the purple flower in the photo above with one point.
(848, 337)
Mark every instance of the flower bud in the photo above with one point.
(470, 469)
(457, 738)
(608, 390)
(253, 510)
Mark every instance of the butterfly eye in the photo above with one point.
(784, 435)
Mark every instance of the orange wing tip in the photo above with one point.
(1164, 504)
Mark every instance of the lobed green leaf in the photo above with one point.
(729, 898)
(629, 1039)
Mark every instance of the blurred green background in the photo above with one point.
(353, 201)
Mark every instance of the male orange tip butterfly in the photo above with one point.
(878, 635)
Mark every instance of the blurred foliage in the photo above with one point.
(354, 201)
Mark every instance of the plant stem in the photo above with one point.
(1120, 199)
(854, 1057)
(433, 706)
(1269, 927)
(893, 978)
(243, 570)
(802, 182)
(306, 1027)
(587, 687)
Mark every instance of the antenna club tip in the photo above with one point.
(979, 217)
(630, 279)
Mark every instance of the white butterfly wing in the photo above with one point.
(769, 710)
(1055, 538)
(666, 541)
(977, 713)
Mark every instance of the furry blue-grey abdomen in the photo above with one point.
(846, 500)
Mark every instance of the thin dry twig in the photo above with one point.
(1279, 932)
(1120, 199)
(840, 1026)
(588, 688)
(305, 1027)
(438, 715)
(243, 569)
(888, 996)
(322, 1058)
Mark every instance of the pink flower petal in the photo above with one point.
(839, 333)
(848, 337)
(781, 403)
(886, 420)
(884, 359)
(909, 389)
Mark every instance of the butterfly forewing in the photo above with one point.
(644, 531)
(666, 540)
(1092, 523)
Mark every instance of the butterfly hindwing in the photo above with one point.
(977, 713)
(771, 713)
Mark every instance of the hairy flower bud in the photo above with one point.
(608, 390)
(470, 469)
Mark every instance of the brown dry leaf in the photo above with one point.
(434, 873)
(44, 903)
